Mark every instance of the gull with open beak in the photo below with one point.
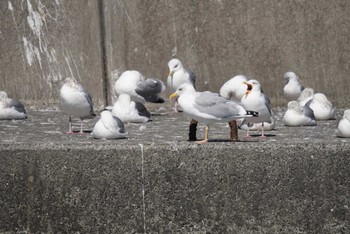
(179, 75)
(255, 100)
(208, 107)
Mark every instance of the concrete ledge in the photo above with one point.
(88, 186)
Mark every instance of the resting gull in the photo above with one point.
(108, 127)
(322, 107)
(140, 89)
(297, 115)
(11, 108)
(234, 89)
(130, 111)
(292, 89)
(343, 128)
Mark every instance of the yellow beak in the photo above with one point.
(173, 95)
(171, 72)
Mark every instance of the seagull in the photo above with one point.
(255, 100)
(343, 128)
(322, 107)
(292, 88)
(305, 96)
(76, 101)
(179, 75)
(11, 108)
(109, 127)
(234, 89)
(208, 107)
(130, 111)
(297, 115)
(140, 89)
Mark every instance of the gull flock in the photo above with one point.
(239, 99)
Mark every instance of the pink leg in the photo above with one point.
(248, 136)
(81, 127)
(175, 107)
(70, 126)
(262, 131)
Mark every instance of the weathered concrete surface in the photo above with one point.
(297, 181)
(217, 39)
(220, 39)
(43, 42)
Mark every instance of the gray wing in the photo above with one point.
(192, 78)
(154, 98)
(17, 105)
(120, 124)
(267, 103)
(141, 109)
(89, 99)
(308, 111)
(215, 105)
(149, 89)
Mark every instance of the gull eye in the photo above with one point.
(176, 65)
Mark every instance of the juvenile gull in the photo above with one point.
(76, 101)
(11, 108)
(140, 89)
(108, 127)
(255, 100)
(292, 89)
(322, 107)
(179, 75)
(297, 115)
(234, 89)
(343, 128)
(208, 107)
(130, 111)
(305, 96)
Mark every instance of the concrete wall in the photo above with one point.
(193, 189)
(42, 42)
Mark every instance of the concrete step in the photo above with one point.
(295, 181)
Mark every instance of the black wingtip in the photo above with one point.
(253, 113)
(159, 100)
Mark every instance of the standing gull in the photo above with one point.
(179, 75)
(255, 100)
(76, 101)
(297, 115)
(343, 128)
(11, 108)
(140, 89)
(208, 107)
(292, 88)
(130, 111)
(322, 107)
(234, 89)
(108, 127)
